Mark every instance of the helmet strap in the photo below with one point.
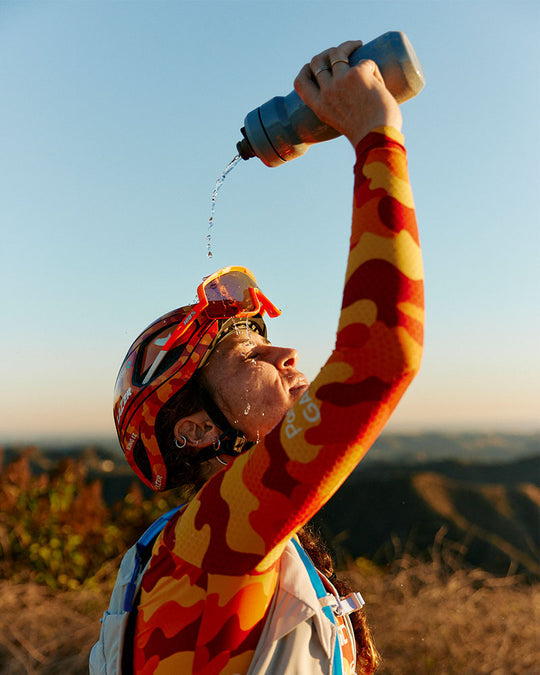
(232, 441)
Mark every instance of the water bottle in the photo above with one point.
(284, 127)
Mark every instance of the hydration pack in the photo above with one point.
(118, 622)
(107, 654)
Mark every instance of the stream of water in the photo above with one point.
(230, 166)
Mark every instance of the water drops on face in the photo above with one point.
(230, 166)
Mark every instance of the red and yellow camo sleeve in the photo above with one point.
(214, 569)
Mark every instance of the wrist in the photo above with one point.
(356, 136)
(385, 116)
(385, 136)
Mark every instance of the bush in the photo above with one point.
(56, 529)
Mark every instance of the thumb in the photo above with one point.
(370, 67)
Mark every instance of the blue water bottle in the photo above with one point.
(284, 127)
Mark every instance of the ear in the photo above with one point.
(197, 429)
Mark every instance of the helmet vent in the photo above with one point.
(141, 459)
(170, 358)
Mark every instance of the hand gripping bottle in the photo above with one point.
(284, 127)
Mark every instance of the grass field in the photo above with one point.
(425, 619)
(61, 545)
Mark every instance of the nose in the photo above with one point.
(284, 357)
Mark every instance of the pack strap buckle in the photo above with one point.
(343, 606)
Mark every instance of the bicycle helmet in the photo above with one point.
(142, 389)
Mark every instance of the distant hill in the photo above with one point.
(435, 446)
(486, 516)
(391, 447)
(475, 495)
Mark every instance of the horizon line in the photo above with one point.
(69, 438)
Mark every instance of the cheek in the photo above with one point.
(268, 406)
(235, 391)
(252, 394)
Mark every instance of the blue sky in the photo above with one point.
(117, 119)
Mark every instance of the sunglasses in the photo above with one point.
(232, 292)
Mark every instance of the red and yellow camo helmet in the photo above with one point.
(142, 389)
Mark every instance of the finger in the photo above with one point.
(320, 67)
(377, 73)
(339, 62)
(323, 64)
(323, 74)
(339, 56)
(304, 85)
(350, 46)
(347, 48)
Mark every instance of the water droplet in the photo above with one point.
(248, 408)
(230, 166)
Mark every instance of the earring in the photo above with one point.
(180, 442)
(216, 445)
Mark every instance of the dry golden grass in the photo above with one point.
(42, 631)
(428, 617)
(466, 623)
(425, 618)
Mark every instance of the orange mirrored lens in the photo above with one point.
(228, 295)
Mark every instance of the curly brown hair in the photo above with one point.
(367, 656)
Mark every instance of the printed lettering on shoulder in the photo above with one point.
(310, 412)
(291, 429)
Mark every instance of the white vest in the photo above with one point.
(297, 639)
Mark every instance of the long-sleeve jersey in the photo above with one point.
(214, 569)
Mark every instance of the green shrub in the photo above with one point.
(56, 529)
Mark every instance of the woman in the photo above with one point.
(205, 402)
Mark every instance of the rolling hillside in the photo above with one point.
(488, 515)
(483, 504)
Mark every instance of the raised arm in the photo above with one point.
(255, 505)
(214, 570)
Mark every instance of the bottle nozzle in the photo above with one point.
(244, 146)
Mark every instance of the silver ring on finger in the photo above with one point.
(333, 63)
(320, 70)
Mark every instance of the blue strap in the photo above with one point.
(337, 667)
(145, 542)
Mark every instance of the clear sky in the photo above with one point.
(116, 119)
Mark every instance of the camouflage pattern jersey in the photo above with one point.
(214, 568)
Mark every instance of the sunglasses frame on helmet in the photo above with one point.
(255, 302)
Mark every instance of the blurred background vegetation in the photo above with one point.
(65, 523)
